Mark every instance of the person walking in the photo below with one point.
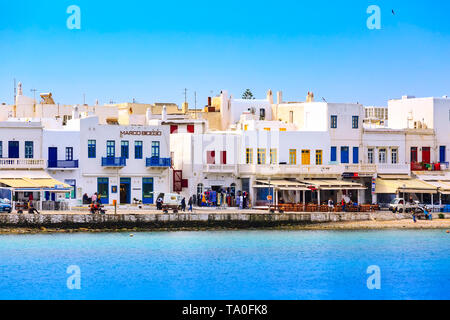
(190, 202)
(241, 202)
(183, 204)
(94, 198)
(159, 204)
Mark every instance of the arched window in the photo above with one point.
(200, 188)
(233, 188)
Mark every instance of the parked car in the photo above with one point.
(400, 205)
(5, 206)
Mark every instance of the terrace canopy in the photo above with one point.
(282, 185)
(32, 181)
(334, 185)
(410, 185)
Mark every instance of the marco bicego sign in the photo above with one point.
(141, 133)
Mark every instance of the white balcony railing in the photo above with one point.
(393, 168)
(334, 169)
(220, 168)
(12, 164)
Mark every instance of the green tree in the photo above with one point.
(247, 94)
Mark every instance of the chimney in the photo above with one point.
(164, 113)
(148, 114)
(75, 112)
(185, 107)
(279, 97)
(209, 101)
(270, 96)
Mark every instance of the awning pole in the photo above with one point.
(304, 200)
(318, 197)
(41, 195)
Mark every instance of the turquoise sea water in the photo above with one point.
(227, 265)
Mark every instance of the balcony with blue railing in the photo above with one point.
(62, 164)
(158, 162)
(115, 162)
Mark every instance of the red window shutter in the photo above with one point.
(184, 183)
(223, 156)
(173, 129)
(211, 157)
(190, 128)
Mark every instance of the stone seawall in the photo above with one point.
(195, 220)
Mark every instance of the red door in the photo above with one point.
(413, 154)
(426, 154)
(177, 180)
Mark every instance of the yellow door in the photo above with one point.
(306, 157)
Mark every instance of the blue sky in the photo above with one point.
(152, 50)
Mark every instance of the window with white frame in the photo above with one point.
(382, 155)
(370, 155)
(394, 156)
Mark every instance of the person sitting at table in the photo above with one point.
(343, 204)
(32, 209)
(330, 204)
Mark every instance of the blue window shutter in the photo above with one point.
(344, 154)
(442, 154)
(333, 154)
(355, 155)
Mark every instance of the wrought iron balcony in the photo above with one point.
(62, 164)
(158, 162)
(114, 162)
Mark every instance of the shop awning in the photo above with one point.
(334, 184)
(394, 176)
(443, 186)
(282, 185)
(31, 183)
(18, 183)
(403, 185)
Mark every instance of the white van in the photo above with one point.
(171, 201)
(400, 205)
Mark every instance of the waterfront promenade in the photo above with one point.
(127, 219)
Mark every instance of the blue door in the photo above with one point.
(442, 154)
(13, 149)
(53, 157)
(344, 154)
(355, 155)
(103, 190)
(147, 190)
(125, 190)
